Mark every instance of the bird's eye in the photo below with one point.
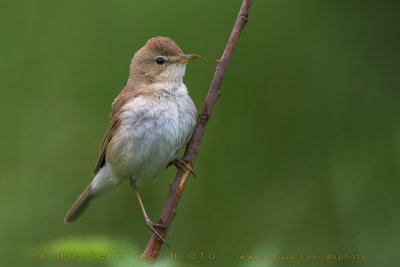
(159, 60)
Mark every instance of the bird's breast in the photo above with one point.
(153, 129)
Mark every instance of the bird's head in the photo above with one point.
(160, 60)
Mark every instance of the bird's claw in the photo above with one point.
(152, 227)
(180, 163)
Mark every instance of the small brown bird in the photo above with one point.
(151, 120)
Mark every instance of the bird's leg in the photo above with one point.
(180, 163)
(152, 226)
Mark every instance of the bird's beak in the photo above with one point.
(186, 58)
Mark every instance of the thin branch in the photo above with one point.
(193, 146)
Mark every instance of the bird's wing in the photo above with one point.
(113, 126)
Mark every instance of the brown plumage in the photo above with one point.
(79, 206)
(150, 121)
(141, 74)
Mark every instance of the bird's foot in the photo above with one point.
(152, 226)
(181, 163)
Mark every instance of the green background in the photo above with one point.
(301, 155)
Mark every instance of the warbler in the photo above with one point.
(151, 120)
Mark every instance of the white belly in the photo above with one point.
(151, 133)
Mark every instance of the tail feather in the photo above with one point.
(80, 205)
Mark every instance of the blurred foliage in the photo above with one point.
(301, 155)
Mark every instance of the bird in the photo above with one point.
(151, 120)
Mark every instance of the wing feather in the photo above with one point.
(113, 126)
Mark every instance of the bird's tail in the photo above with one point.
(80, 205)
